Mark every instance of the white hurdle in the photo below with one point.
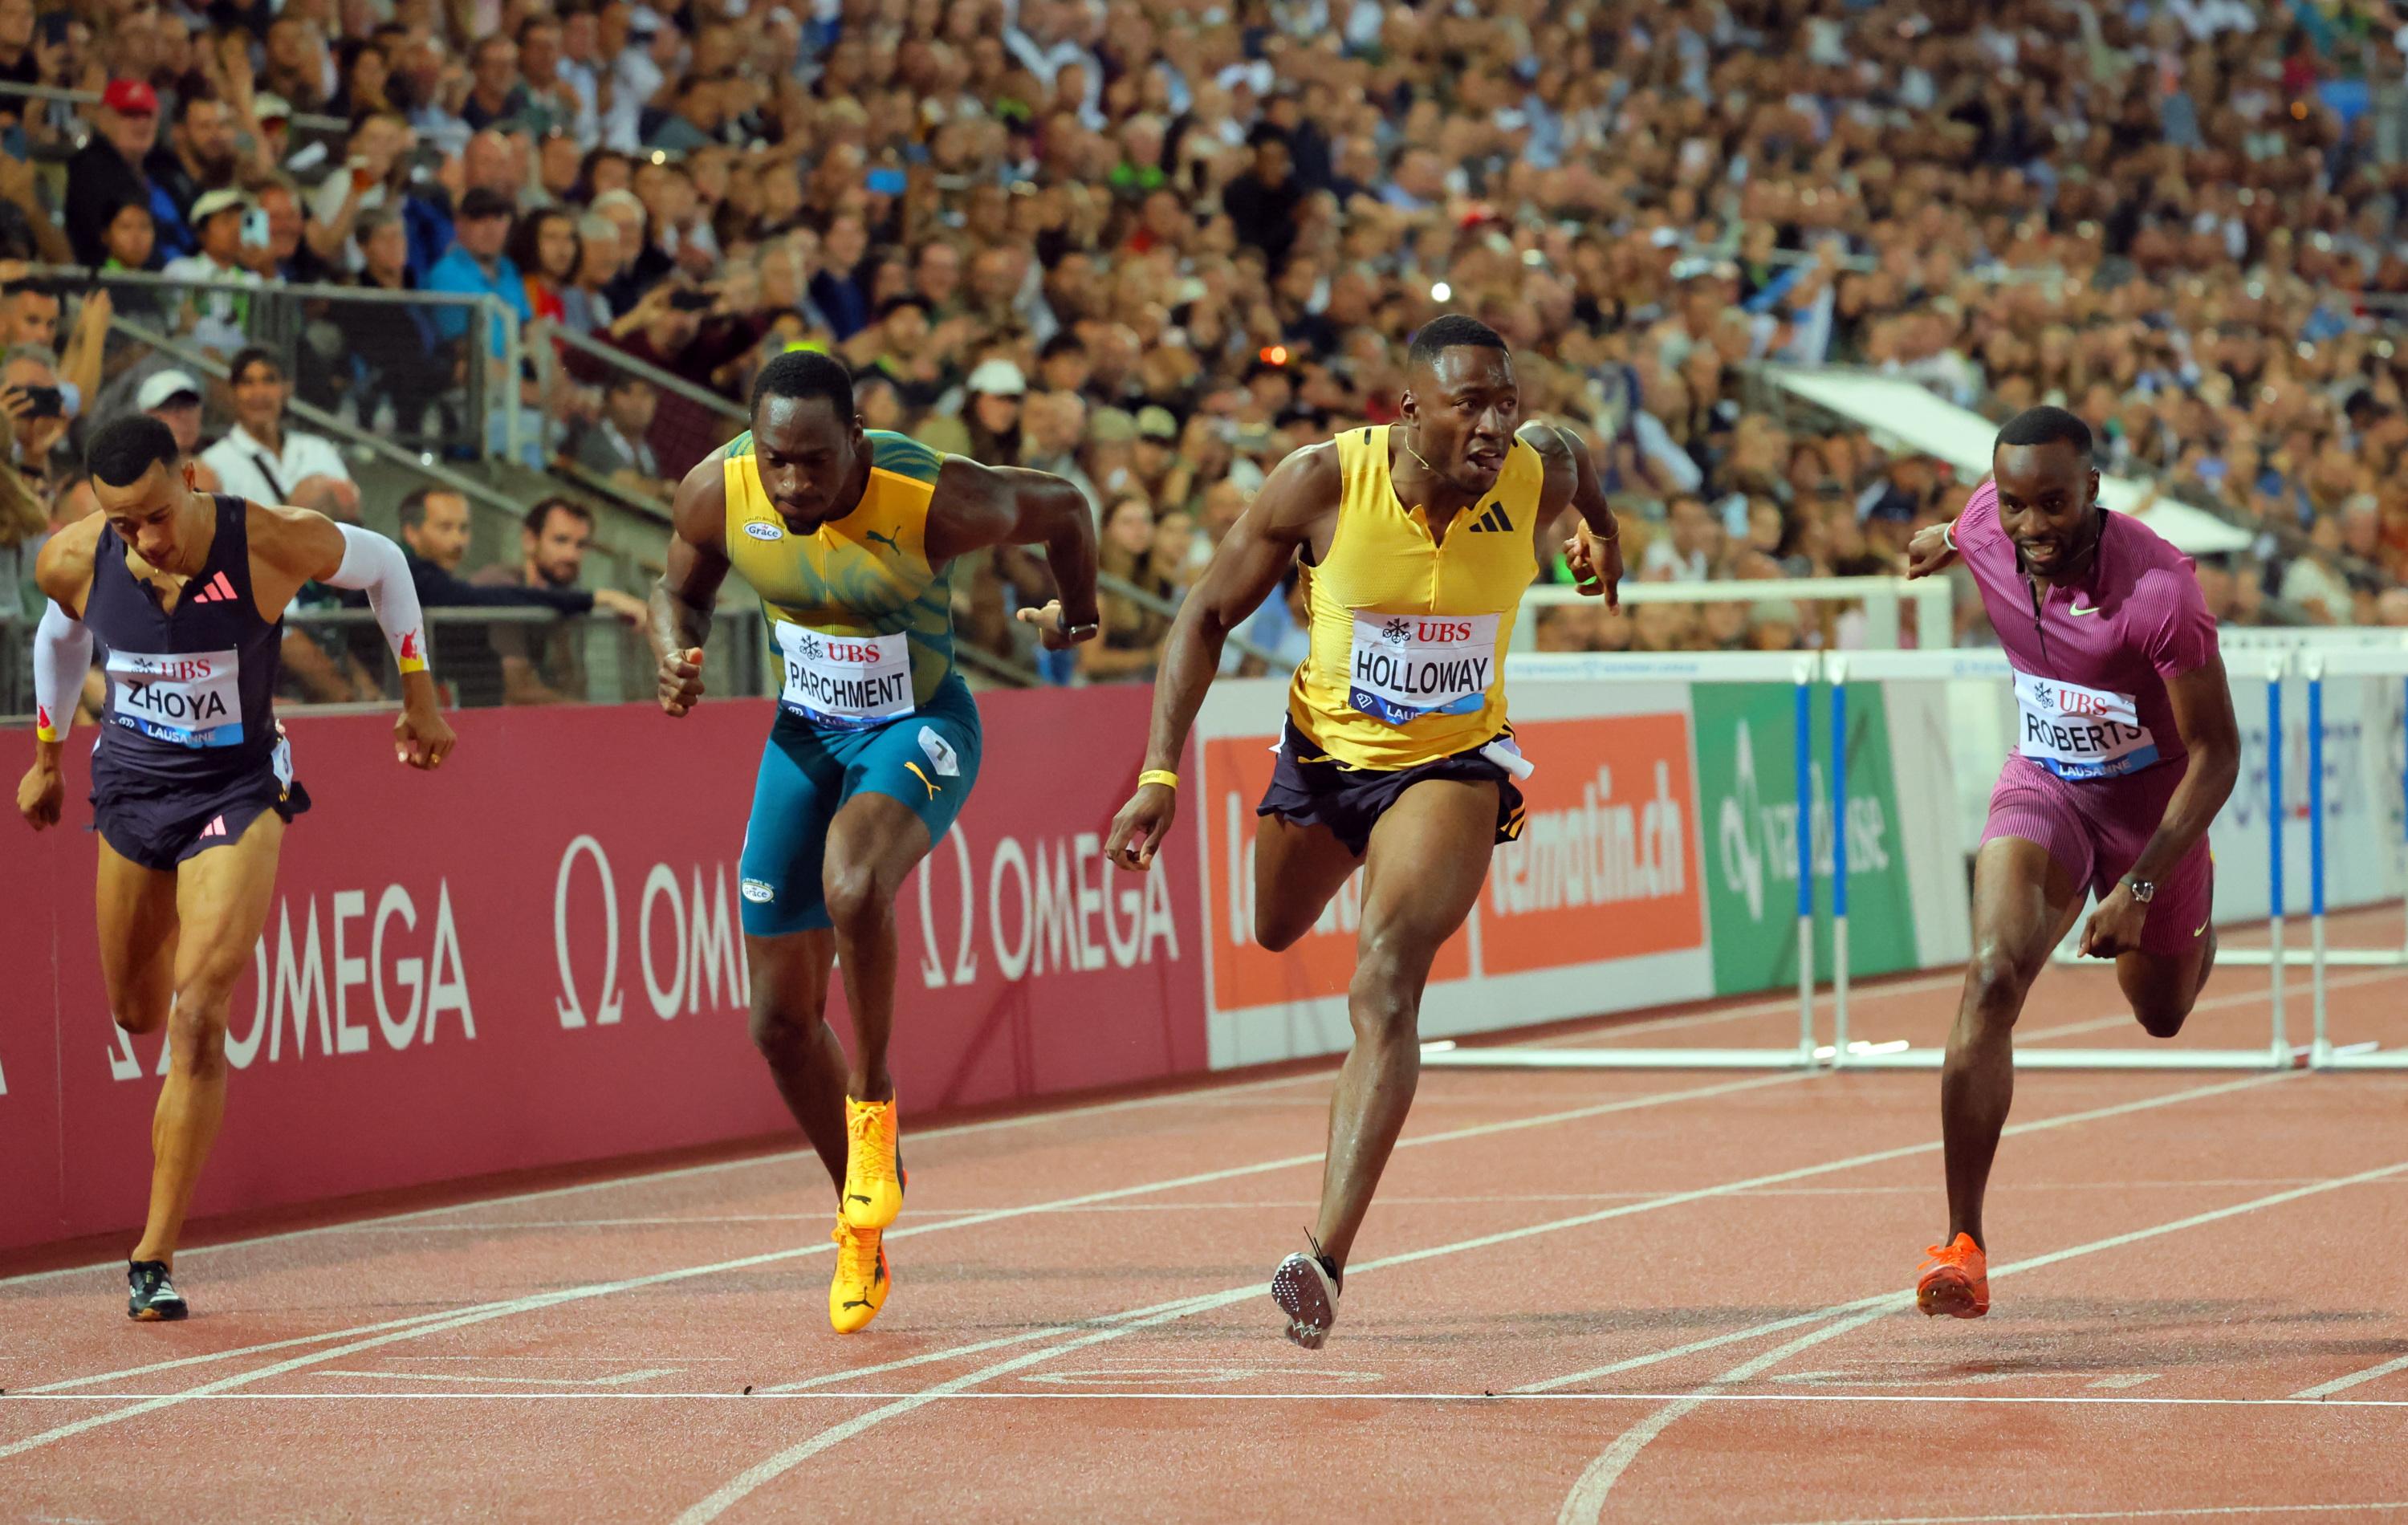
(1839, 669)
(1911, 667)
(2360, 662)
(1797, 669)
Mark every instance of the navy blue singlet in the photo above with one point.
(191, 690)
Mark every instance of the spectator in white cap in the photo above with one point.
(274, 116)
(219, 313)
(995, 388)
(261, 460)
(174, 399)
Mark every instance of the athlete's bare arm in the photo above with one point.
(2202, 705)
(1294, 511)
(974, 507)
(1594, 549)
(688, 590)
(1931, 550)
(291, 546)
(64, 573)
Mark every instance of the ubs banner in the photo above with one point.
(535, 956)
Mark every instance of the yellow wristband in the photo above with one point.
(1163, 776)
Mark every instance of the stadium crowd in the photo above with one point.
(1153, 245)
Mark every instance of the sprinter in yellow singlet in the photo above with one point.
(1420, 537)
(848, 537)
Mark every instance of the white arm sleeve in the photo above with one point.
(375, 564)
(62, 655)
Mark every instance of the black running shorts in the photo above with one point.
(1313, 788)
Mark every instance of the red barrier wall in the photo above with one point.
(534, 957)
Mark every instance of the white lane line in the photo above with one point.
(1585, 1502)
(1673, 1198)
(2200, 1511)
(775, 1466)
(1266, 1204)
(2342, 1384)
(1775, 1326)
(547, 1382)
(646, 1178)
(735, 1488)
(869, 1395)
(391, 1331)
(1611, 1031)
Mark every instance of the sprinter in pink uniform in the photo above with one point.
(2125, 750)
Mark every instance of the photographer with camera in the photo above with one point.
(697, 333)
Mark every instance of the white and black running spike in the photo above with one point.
(1306, 1289)
(151, 1296)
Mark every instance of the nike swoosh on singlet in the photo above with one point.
(2075, 609)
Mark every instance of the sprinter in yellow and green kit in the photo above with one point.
(848, 536)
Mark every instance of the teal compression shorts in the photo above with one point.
(928, 759)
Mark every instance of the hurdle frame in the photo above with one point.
(1798, 669)
(1909, 667)
(1803, 671)
(2317, 665)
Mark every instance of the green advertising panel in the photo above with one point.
(1747, 821)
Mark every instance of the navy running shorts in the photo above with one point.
(160, 828)
(1311, 788)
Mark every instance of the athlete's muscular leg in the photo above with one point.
(789, 1017)
(2023, 903)
(1296, 869)
(1429, 855)
(222, 900)
(134, 909)
(874, 843)
(2163, 988)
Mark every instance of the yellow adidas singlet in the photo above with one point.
(863, 625)
(1409, 635)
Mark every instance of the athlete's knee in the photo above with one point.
(1384, 1000)
(140, 1016)
(1279, 931)
(196, 1030)
(2161, 1014)
(859, 899)
(1995, 983)
(2162, 1021)
(780, 1020)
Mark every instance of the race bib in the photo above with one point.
(191, 699)
(845, 681)
(2081, 733)
(1407, 666)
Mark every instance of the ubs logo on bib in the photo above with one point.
(1404, 667)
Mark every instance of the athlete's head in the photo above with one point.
(807, 437)
(1461, 405)
(2048, 490)
(144, 491)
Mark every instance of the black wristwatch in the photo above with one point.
(2144, 890)
(1063, 627)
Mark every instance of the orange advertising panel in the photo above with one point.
(1237, 770)
(1607, 864)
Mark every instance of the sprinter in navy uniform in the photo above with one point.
(191, 778)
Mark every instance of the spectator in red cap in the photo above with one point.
(106, 172)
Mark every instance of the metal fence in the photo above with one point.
(431, 371)
(336, 659)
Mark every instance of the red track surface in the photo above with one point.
(1684, 1291)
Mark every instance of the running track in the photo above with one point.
(1581, 1296)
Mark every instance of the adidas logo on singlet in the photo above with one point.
(1493, 520)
